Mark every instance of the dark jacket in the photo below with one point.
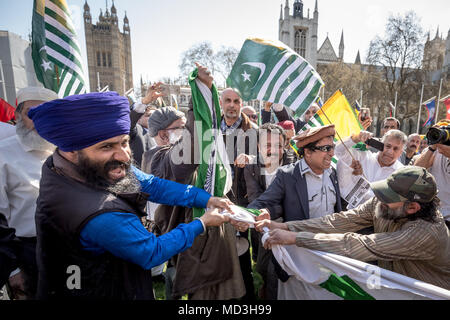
(282, 115)
(255, 181)
(139, 139)
(201, 265)
(9, 247)
(238, 193)
(287, 196)
(64, 207)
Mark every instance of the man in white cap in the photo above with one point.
(21, 159)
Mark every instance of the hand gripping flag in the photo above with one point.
(214, 172)
(431, 109)
(55, 50)
(328, 276)
(271, 71)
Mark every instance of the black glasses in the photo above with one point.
(324, 148)
(253, 116)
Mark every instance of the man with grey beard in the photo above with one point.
(21, 159)
(410, 236)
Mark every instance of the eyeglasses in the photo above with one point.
(324, 148)
(253, 116)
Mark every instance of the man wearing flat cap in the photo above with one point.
(410, 236)
(21, 159)
(304, 190)
(91, 243)
(165, 126)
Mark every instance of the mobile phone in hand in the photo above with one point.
(365, 114)
(375, 144)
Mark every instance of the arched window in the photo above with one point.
(300, 42)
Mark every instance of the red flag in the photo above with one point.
(6, 111)
(447, 104)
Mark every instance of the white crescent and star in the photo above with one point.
(246, 76)
(259, 65)
(46, 65)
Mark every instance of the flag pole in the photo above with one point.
(57, 75)
(361, 104)
(437, 107)
(420, 109)
(395, 104)
(3, 80)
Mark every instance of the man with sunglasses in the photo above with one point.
(409, 237)
(250, 112)
(306, 189)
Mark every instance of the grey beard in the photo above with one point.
(32, 139)
(389, 214)
(128, 184)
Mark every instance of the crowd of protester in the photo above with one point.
(401, 222)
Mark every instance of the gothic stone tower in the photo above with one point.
(434, 52)
(300, 32)
(108, 51)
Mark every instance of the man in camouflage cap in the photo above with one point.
(410, 236)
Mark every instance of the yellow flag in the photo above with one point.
(339, 112)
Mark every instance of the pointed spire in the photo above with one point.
(437, 33)
(341, 47)
(358, 58)
(342, 39)
(316, 7)
(281, 12)
(428, 36)
(286, 10)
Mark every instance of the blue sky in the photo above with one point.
(162, 29)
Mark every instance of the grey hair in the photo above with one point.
(397, 134)
(413, 136)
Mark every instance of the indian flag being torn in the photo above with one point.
(328, 276)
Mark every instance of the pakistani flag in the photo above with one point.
(214, 172)
(328, 276)
(55, 50)
(271, 71)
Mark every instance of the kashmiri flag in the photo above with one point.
(431, 110)
(6, 111)
(271, 71)
(328, 276)
(55, 50)
(214, 171)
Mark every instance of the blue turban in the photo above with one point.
(80, 121)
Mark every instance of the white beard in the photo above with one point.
(31, 139)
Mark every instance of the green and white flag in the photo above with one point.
(214, 171)
(55, 50)
(271, 71)
(328, 276)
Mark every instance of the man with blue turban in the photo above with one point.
(91, 242)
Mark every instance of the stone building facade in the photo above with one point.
(108, 51)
